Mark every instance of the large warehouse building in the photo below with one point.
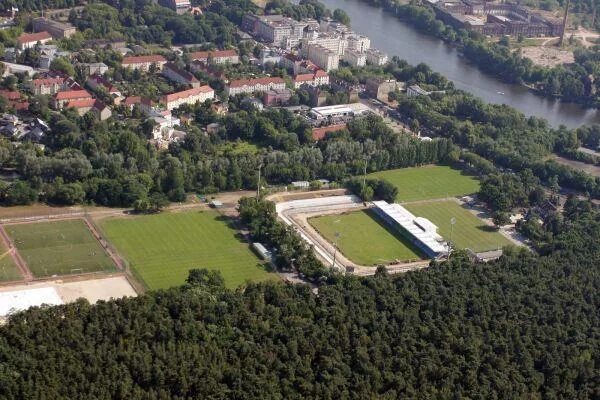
(420, 231)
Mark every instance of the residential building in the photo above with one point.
(179, 75)
(98, 81)
(61, 98)
(323, 57)
(276, 97)
(358, 43)
(143, 63)
(12, 68)
(276, 30)
(214, 57)
(270, 56)
(15, 99)
(58, 30)
(95, 68)
(179, 6)
(379, 88)
(250, 86)
(319, 78)
(131, 101)
(330, 41)
(29, 40)
(355, 58)
(85, 105)
(52, 83)
(376, 57)
(190, 96)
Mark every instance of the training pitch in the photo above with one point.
(59, 248)
(8, 268)
(468, 232)
(364, 238)
(429, 182)
(162, 248)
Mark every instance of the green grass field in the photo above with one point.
(59, 248)
(469, 231)
(364, 239)
(162, 248)
(8, 268)
(429, 182)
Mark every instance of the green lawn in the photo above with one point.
(162, 248)
(469, 231)
(429, 182)
(59, 248)
(8, 268)
(364, 238)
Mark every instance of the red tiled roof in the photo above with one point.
(198, 55)
(33, 37)
(181, 72)
(321, 74)
(103, 82)
(155, 58)
(320, 133)
(186, 93)
(72, 94)
(131, 100)
(304, 77)
(10, 94)
(81, 103)
(256, 81)
(47, 81)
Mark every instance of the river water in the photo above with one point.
(397, 38)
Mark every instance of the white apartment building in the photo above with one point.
(143, 63)
(323, 57)
(355, 58)
(376, 57)
(319, 78)
(190, 96)
(359, 43)
(334, 43)
(253, 85)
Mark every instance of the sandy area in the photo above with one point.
(112, 287)
(548, 56)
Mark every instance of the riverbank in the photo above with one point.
(399, 38)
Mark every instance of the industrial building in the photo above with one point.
(339, 111)
(420, 231)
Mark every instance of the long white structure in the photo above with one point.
(20, 300)
(421, 231)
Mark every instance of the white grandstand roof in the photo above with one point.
(19, 300)
(420, 228)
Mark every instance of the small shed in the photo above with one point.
(216, 204)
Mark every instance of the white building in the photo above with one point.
(376, 57)
(190, 96)
(323, 57)
(253, 85)
(319, 78)
(355, 58)
(339, 111)
(359, 43)
(179, 75)
(29, 40)
(333, 42)
(143, 63)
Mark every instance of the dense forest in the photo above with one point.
(524, 326)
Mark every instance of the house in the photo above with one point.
(379, 88)
(85, 105)
(253, 85)
(179, 6)
(276, 97)
(321, 132)
(29, 40)
(61, 98)
(15, 99)
(214, 128)
(58, 30)
(97, 81)
(179, 75)
(144, 63)
(95, 68)
(214, 57)
(190, 96)
(319, 78)
(51, 83)
(131, 101)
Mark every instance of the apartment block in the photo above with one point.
(190, 96)
(323, 57)
(58, 30)
(355, 58)
(250, 86)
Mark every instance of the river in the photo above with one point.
(398, 38)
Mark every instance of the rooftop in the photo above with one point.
(154, 58)
(33, 37)
(255, 81)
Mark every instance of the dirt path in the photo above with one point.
(19, 262)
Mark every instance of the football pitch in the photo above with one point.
(428, 182)
(364, 238)
(8, 268)
(59, 248)
(162, 248)
(468, 231)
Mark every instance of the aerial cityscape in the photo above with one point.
(252, 199)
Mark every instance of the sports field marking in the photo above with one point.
(8, 269)
(428, 182)
(59, 248)
(468, 231)
(363, 238)
(162, 248)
